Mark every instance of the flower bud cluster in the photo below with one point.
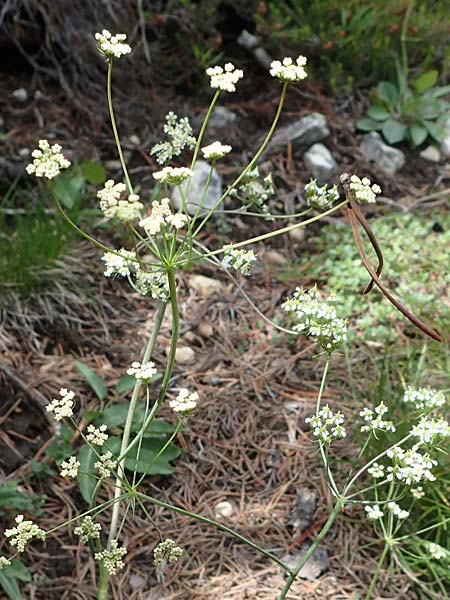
(69, 468)
(436, 551)
(62, 408)
(185, 402)
(376, 470)
(427, 430)
(320, 197)
(173, 175)
(142, 372)
(410, 466)
(215, 150)
(327, 425)
(424, 398)
(112, 46)
(106, 464)
(48, 161)
(161, 216)
(224, 78)
(112, 558)
(4, 562)
(374, 419)
(154, 284)
(317, 318)
(121, 265)
(96, 435)
(23, 533)
(240, 260)
(180, 136)
(363, 190)
(166, 552)
(88, 530)
(126, 210)
(288, 71)
(254, 191)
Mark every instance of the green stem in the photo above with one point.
(103, 580)
(155, 458)
(368, 596)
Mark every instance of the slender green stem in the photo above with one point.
(368, 596)
(103, 580)
(114, 127)
(203, 129)
(215, 524)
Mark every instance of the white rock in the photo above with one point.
(223, 509)
(273, 257)
(297, 235)
(205, 329)
(21, 95)
(184, 355)
(113, 165)
(197, 187)
(206, 286)
(303, 132)
(319, 160)
(24, 152)
(431, 153)
(221, 117)
(135, 140)
(445, 144)
(385, 157)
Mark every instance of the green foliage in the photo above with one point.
(12, 498)
(94, 380)
(411, 113)
(9, 577)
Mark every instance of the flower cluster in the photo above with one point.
(224, 78)
(88, 530)
(173, 175)
(374, 419)
(436, 551)
(288, 71)
(113, 206)
(185, 402)
(363, 190)
(112, 46)
(180, 136)
(154, 284)
(397, 511)
(106, 464)
(96, 435)
(317, 318)
(376, 470)
(410, 466)
(48, 161)
(240, 260)
(112, 558)
(320, 197)
(119, 263)
(4, 562)
(253, 191)
(69, 468)
(62, 408)
(429, 429)
(215, 150)
(142, 372)
(424, 398)
(418, 492)
(166, 552)
(374, 512)
(23, 533)
(161, 216)
(327, 425)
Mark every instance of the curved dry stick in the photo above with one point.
(363, 221)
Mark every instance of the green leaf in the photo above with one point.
(19, 571)
(69, 189)
(9, 584)
(150, 447)
(394, 131)
(417, 133)
(378, 113)
(93, 171)
(115, 415)
(437, 92)
(388, 93)
(436, 132)
(425, 81)
(125, 384)
(11, 497)
(366, 124)
(94, 380)
(86, 472)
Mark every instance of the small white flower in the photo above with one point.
(154, 284)
(96, 435)
(161, 216)
(424, 398)
(173, 175)
(121, 263)
(288, 71)
(23, 533)
(48, 161)
(106, 464)
(142, 372)
(224, 78)
(166, 552)
(427, 430)
(436, 551)
(112, 46)
(125, 209)
(373, 512)
(376, 470)
(215, 150)
(180, 136)
(62, 408)
(320, 197)
(178, 220)
(410, 466)
(185, 402)
(397, 511)
(88, 530)
(374, 420)
(240, 260)
(4, 562)
(418, 492)
(363, 190)
(69, 468)
(112, 558)
(327, 425)
(255, 191)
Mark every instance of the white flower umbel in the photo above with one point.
(397, 511)
(373, 512)
(69, 468)
(125, 209)
(317, 318)
(255, 191)
(112, 46)
(320, 197)
(436, 551)
(240, 260)
(96, 435)
(185, 402)
(106, 464)
(154, 284)
(363, 190)
(88, 530)
(180, 136)
(173, 175)
(166, 552)
(120, 266)
(424, 398)
(215, 150)
(48, 161)
(288, 71)
(418, 492)
(224, 78)
(410, 466)
(376, 470)
(161, 216)
(427, 430)
(112, 558)
(62, 408)
(327, 425)
(142, 372)
(23, 532)
(4, 562)
(374, 419)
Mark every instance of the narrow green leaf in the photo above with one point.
(366, 124)
(93, 171)
(9, 584)
(86, 472)
(125, 384)
(394, 131)
(18, 570)
(94, 380)
(425, 81)
(387, 92)
(417, 133)
(378, 113)
(437, 92)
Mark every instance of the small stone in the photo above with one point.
(297, 235)
(221, 117)
(113, 165)
(320, 162)
(196, 186)
(385, 157)
(184, 355)
(24, 152)
(273, 257)
(2, 121)
(445, 144)
(206, 286)
(314, 566)
(21, 95)
(223, 510)
(431, 153)
(305, 505)
(304, 132)
(135, 140)
(205, 329)
(136, 582)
